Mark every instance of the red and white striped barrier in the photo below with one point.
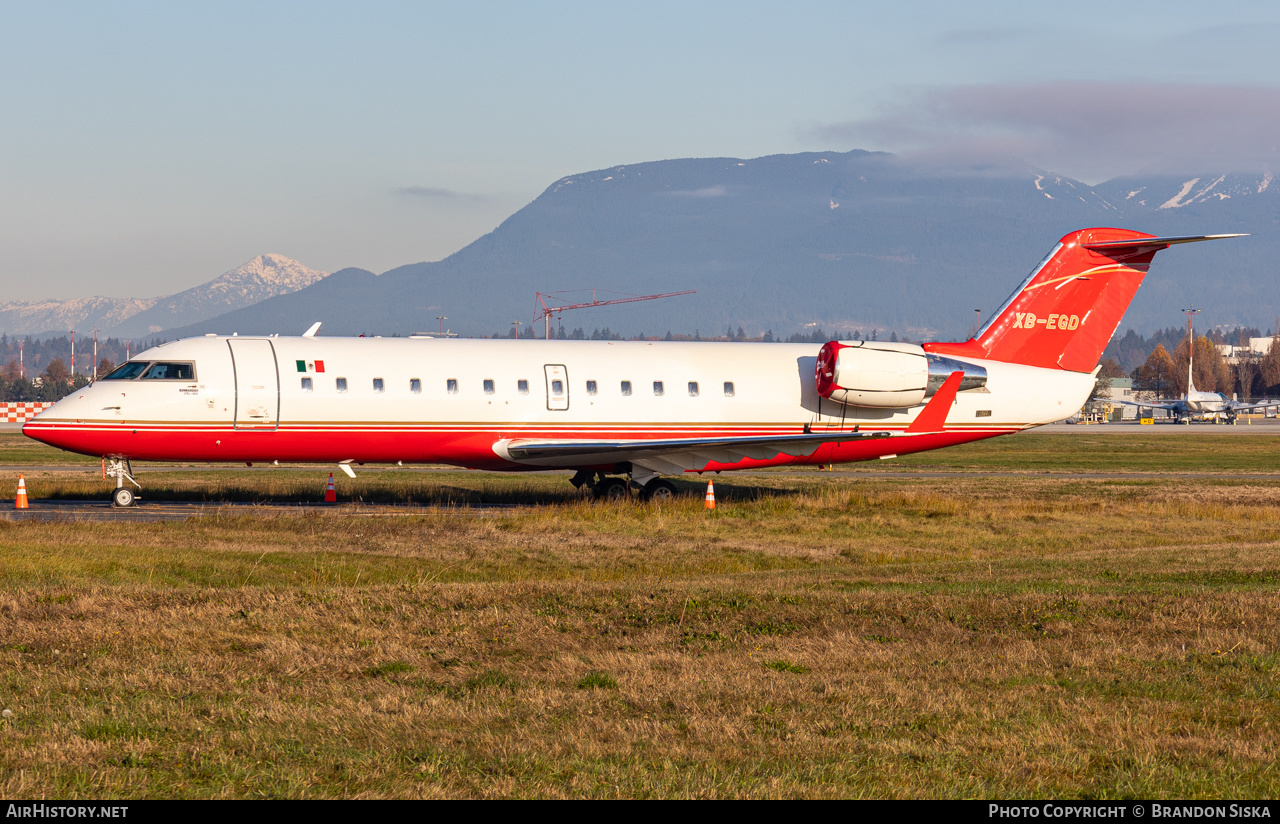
(21, 412)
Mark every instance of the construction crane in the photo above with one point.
(545, 311)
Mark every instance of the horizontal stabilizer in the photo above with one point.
(1153, 242)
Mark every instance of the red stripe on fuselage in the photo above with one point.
(472, 448)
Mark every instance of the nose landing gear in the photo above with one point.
(121, 470)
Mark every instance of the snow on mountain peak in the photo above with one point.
(268, 275)
(265, 276)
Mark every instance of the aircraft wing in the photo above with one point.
(673, 455)
(1173, 406)
(1237, 406)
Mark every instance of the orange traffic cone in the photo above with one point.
(20, 502)
(330, 494)
(711, 495)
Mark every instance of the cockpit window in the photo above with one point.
(170, 372)
(127, 371)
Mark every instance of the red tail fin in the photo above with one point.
(1065, 312)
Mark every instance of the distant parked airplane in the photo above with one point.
(1196, 403)
(617, 413)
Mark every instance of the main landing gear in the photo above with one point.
(122, 471)
(611, 489)
(605, 488)
(659, 491)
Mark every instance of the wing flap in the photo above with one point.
(682, 454)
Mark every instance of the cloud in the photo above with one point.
(1092, 131)
(433, 193)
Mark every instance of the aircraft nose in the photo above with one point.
(45, 428)
(35, 433)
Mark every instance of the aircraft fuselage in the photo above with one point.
(456, 401)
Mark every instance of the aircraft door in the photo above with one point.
(257, 383)
(557, 387)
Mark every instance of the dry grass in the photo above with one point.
(814, 637)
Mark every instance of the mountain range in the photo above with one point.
(263, 277)
(851, 241)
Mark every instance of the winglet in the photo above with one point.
(311, 333)
(934, 416)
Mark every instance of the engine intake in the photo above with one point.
(882, 375)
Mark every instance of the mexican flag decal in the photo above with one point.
(310, 366)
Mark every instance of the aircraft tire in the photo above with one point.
(122, 496)
(659, 491)
(612, 489)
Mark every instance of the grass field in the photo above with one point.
(818, 635)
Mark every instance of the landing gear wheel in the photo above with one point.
(659, 491)
(122, 496)
(612, 489)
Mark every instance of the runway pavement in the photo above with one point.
(1269, 426)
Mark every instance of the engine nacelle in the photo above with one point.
(884, 375)
(873, 373)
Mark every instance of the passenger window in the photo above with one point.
(340, 384)
(306, 384)
(557, 387)
(728, 389)
(171, 372)
(693, 389)
(522, 387)
(657, 387)
(626, 387)
(591, 387)
(415, 386)
(488, 386)
(378, 385)
(451, 385)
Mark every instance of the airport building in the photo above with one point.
(1257, 348)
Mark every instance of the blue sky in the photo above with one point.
(147, 147)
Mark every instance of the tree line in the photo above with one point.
(54, 383)
(39, 369)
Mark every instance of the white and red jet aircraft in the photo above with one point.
(636, 409)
